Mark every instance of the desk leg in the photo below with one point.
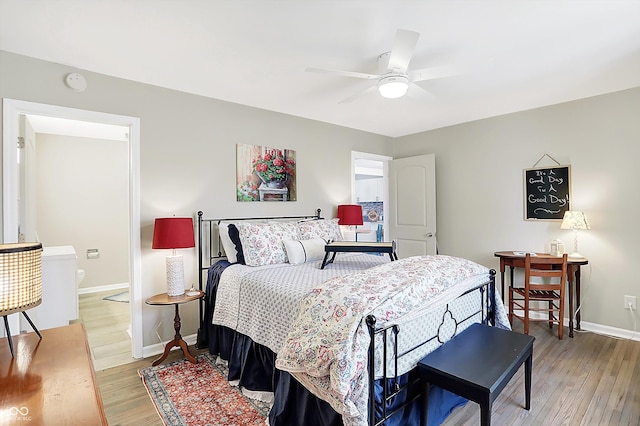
(577, 297)
(570, 281)
(176, 342)
(502, 279)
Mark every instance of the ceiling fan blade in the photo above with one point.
(419, 92)
(343, 73)
(357, 95)
(435, 72)
(403, 48)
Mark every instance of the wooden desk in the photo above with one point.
(49, 381)
(178, 341)
(358, 247)
(512, 260)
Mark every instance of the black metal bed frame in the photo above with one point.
(206, 234)
(486, 310)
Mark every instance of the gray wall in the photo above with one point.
(479, 175)
(187, 158)
(188, 164)
(83, 201)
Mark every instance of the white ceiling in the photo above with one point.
(526, 53)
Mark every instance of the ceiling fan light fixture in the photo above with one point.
(393, 86)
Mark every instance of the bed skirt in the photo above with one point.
(252, 366)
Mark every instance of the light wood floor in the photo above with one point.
(588, 380)
(107, 324)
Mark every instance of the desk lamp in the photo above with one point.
(350, 214)
(174, 233)
(20, 281)
(575, 220)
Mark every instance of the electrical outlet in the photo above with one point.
(630, 300)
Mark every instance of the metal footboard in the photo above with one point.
(486, 309)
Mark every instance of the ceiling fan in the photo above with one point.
(394, 78)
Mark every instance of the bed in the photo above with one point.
(333, 346)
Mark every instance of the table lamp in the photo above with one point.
(174, 233)
(20, 281)
(350, 214)
(575, 220)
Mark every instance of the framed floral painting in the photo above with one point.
(265, 174)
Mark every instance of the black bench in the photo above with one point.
(477, 364)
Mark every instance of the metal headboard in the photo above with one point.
(209, 245)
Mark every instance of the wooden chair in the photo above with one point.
(550, 274)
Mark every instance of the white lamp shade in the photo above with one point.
(574, 220)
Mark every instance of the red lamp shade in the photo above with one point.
(350, 214)
(173, 233)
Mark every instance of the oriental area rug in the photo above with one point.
(187, 394)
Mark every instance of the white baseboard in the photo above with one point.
(592, 327)
(98, 289)
(619, 333)
(158, 348)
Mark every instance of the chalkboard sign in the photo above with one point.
(547, 192)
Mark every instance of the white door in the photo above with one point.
(412, 205)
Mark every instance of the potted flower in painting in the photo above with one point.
(273, 168)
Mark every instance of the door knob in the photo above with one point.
(429, 235)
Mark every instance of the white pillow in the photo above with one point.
(301, 251)
(227, 244)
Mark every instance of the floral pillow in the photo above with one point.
(321, 228)
(262, 243)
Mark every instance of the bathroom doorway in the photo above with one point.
(15, 113)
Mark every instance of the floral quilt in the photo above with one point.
(326, 348)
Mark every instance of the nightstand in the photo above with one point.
(165, 299)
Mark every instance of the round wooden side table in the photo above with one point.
(165, 299)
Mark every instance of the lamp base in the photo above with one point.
(575, 255)
(175, 276)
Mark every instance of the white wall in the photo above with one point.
(82, 201)
(187, 157)
(479, 175)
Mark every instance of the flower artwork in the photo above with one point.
(265, 174)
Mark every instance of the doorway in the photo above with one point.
(369, 177)
(13, 110)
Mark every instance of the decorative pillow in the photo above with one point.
(301, 251)
(262, 243)
(321, 228)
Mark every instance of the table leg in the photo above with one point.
(577, 297)
(176, 342)
(570, 275)
(502, 280)
(325, 260)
